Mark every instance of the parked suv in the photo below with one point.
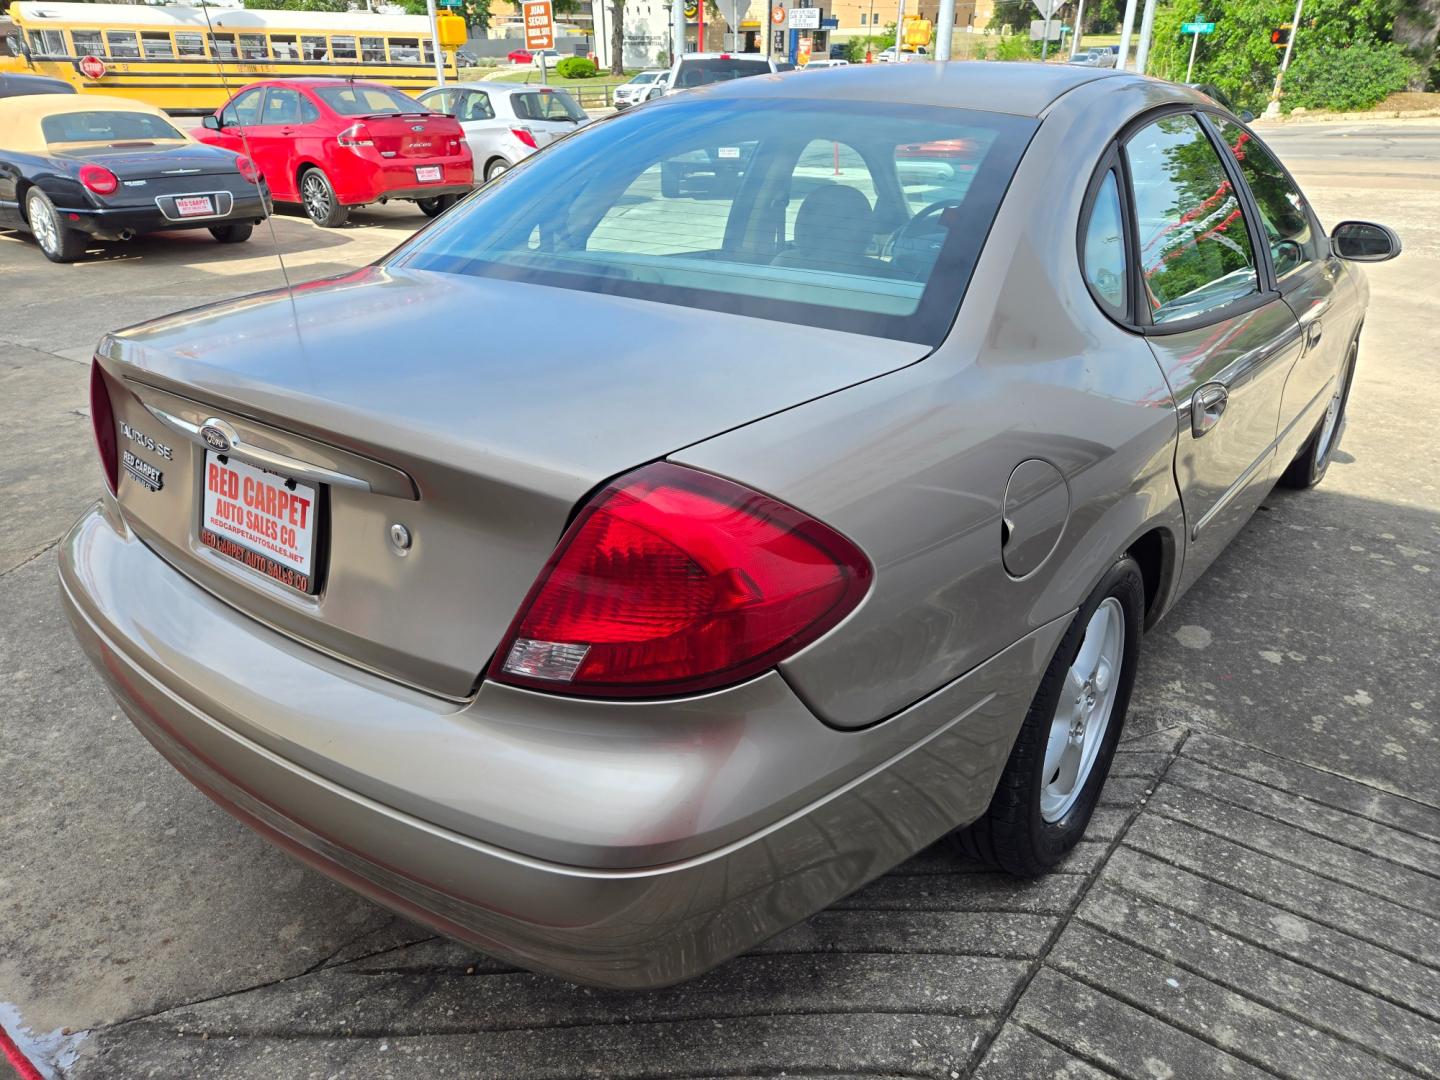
(335, 144)
(700, 69)
(639, 88)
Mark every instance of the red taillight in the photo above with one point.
(673, 581)
(102, 419)
(98, 179)
(355, 135)
(523, 134)
(248, 172)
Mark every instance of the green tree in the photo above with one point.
(1238, 56)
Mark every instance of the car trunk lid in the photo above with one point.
(413, 135)
(463, 429)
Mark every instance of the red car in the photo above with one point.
(335, 144)
(520, 56)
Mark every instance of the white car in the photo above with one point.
(548, 57)
(821, 65)
(640, 88)
(888, 56)
(700, 69)
(506, 122)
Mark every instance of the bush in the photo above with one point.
(576, 67)
(1014, 47)
(1357, 77)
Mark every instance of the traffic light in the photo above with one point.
(1280, 36)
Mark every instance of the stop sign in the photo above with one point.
(92, 67)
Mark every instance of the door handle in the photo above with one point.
(287, 131)
(1313, 333)
(1207, 405)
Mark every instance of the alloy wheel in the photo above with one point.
(1083, 713)
(317, 197)
(44, 226)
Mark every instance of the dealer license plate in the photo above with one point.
(429, 173)
(194, 205)
(260, 519)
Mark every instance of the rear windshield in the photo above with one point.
(699, 72)
(368, 100)
(546, 105)
(106, 127)
(860, 218)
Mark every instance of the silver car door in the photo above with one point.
(1308, 276)
(1221, 333)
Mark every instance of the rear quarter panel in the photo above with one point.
(914, 465)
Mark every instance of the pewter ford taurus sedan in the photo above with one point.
(825, 521)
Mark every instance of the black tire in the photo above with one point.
(56, 242)
(436, 206)
(233, 234)
(317, 195)
(496, 168)
(1013, 835)
(1311, 464)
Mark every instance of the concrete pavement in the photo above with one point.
(1257, 896)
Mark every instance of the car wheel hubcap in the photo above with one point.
(317, 201)
(1083, 714)
(496, 170)
(42, 224)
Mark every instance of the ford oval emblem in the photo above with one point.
(214, 438)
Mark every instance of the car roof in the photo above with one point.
(20, 116)
(492, 87)
(1018, 89)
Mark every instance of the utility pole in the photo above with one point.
(1273, 108)
(945, 30)
(435, 40)
(1127, 26)
(899, 30)
(1075, 36)
(1045, 44)
(677, 30)
(1147, 30)
(1194, 42)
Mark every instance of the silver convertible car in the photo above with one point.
(788, 519)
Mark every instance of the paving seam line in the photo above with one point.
(1017, 995)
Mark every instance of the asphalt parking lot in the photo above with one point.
(1259, 894)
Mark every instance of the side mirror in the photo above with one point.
(212, 122)
(1362, 241)
(17, 45)
(1246, 116)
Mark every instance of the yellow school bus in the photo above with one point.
(189, 59)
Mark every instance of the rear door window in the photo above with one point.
(1195, 252)
(546, 105)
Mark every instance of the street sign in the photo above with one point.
(777, 15)
(1047, 8)
(732, 10)
(450, 3)
(92, 67)
(805, 18)
(539, 24)
(1038, 28)
(1197, 28)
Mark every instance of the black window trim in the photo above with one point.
(1138, 321)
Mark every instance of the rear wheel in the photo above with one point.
(1310, 465)
(58, 243)
(318, 196)
(436, 206)
(232, 234)
(496, 168)
(1062, 755)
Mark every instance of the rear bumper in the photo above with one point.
(110, 223)
(366, 177)
(198, 697)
